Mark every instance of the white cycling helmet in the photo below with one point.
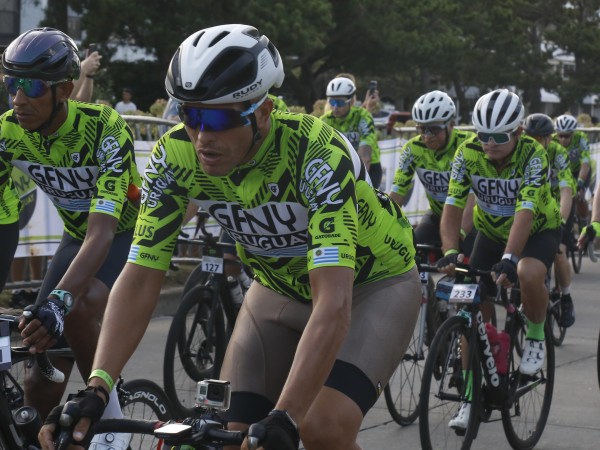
(565, 123)
(498, 111)
(341, 87)
(435, 106)
(224, 64)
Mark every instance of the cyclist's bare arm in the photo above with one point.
(584, 171)
(450, 227)
(365, 152)
(399, 199)
(467, 218)
(566, 202)
(321, 340)
(93, 252)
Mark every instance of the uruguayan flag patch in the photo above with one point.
(326, 255)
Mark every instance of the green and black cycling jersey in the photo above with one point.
(86, 166)
(522, 185)
(302, 202)
(433, 168)
(578, 151)
(358, 127)
(560, 173)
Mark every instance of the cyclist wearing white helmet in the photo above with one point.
(294, 195)
(516, 216)
(430, 155)
(355, 123)
(578, 146)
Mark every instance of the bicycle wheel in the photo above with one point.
(189, 356)
(144, 399)
(575, 253)
(443, 389)
(524, 421)
(553, 319)
(402, 391)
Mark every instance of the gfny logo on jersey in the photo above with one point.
(496, 191)
(108, 155)
(156, 177)
(435, 183)
(274, 228)
(317, 184)
(62, 182)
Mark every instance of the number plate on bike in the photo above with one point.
(424, 277)
(211, 264)
(5, 362)
(464, 293)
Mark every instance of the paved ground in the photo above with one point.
(574, 421)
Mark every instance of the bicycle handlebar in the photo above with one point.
(46, 367)
(201, 433)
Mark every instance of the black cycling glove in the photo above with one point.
(444, 261)
(507, 267)
(50, 314)
(87, 403)
(277, 431)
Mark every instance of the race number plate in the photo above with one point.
(464, 293)
(212, 264)
(424, 277)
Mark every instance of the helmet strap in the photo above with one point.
(256, 134)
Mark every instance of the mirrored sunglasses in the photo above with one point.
(429, 130)
(31, 87)
(206, 119)
(338, 102)
(498, 138)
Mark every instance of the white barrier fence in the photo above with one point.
(41, 233)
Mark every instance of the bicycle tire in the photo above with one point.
(524, 421)
(557, 332)
(144, 399)
(184, 367)
(442, 395)
(402, 390)
(196, 277)
(575, 253)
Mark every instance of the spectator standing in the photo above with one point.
(126, 105)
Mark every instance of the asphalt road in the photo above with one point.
(574, 421)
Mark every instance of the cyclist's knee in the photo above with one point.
(325, 434)
(531, 272)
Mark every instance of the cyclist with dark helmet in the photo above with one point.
(516, 216)
(82, 157)
(323, 244)
(429, 155)
(541, 128)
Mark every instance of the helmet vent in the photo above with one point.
(195, 44)
(218, 38)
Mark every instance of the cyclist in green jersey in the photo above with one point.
(278, 103)
(82, 157)
(355, 122)
(541, 128)
(430, 155)
(324, 245)
(516, 216)
(578, 148)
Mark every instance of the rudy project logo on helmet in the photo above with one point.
(249, 90)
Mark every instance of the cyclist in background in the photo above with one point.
(541, 128)
(355, 123)
(430, 155)
(578, 148)
(516, 216)
(333, 258)
(81, 155)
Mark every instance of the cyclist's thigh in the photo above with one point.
(8, 246)
(543, 246)
(116, 258)
(262, 346)
(428, 230)
(384, 314)
(486, 252)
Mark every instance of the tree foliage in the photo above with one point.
(410, 47)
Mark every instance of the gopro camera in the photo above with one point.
(92, 48)
(215, 394)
